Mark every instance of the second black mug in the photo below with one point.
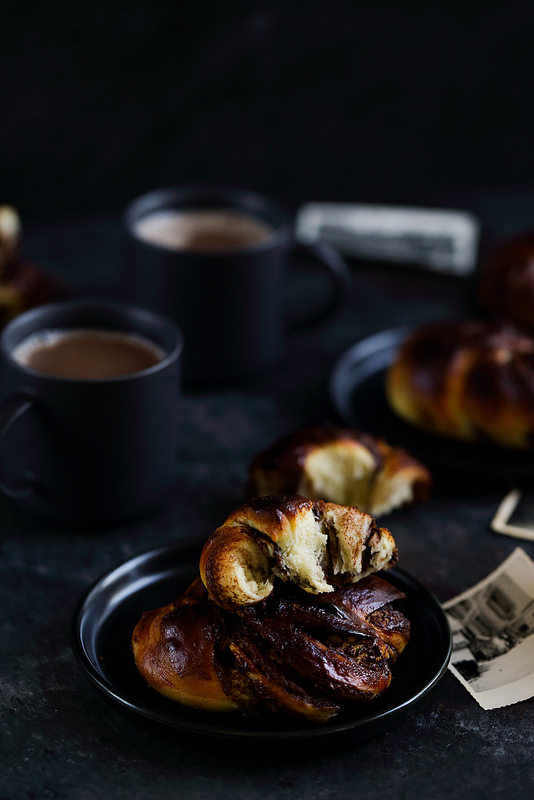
(87, 447)
(213, 259)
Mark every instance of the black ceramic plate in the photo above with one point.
(357, 391)
(109, 610)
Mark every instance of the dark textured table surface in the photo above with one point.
(62, 739)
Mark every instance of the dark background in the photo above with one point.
(384, 101)
(387, 101)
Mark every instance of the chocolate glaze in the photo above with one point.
(323, 644)
(258, 683)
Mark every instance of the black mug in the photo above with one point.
(90, 452)
(225, 286)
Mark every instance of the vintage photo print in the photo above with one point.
(515, 515)
(492, 628)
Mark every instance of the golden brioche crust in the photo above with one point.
(471, 380)
(313, 544)
(340, 465)
(173, 649)
(295, 654)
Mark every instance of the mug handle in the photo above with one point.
(11, 409)
(340, 284)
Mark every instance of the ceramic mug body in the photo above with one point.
(90, 452)
(229, 303)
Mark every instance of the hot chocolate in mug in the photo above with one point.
(89, 411)
(214, 260)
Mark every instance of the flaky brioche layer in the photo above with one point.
(314, 544)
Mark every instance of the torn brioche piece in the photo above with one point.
(340, 465)
(312, 543)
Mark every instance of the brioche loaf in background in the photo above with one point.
(10, 232)
(469, 380)
(313, 544)
(22, 285)
(340, 465)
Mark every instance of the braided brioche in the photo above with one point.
(314, 544)
(296, 655)
(340, 465)
(469, 380)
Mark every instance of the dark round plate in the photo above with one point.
(357, 391)
(108, 612)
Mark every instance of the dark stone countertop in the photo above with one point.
(62, 739)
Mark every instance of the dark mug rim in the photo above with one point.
(127, 318)
(210, 196)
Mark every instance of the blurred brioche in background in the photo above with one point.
(343, 466)
(506, 282)
(470, 380)
(23, 285)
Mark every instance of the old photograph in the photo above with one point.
(492, 626)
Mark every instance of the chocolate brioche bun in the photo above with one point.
(294, 655)
(311, 543)
(286, 617)
(340, 465)
(310, 656)
(471, 380)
